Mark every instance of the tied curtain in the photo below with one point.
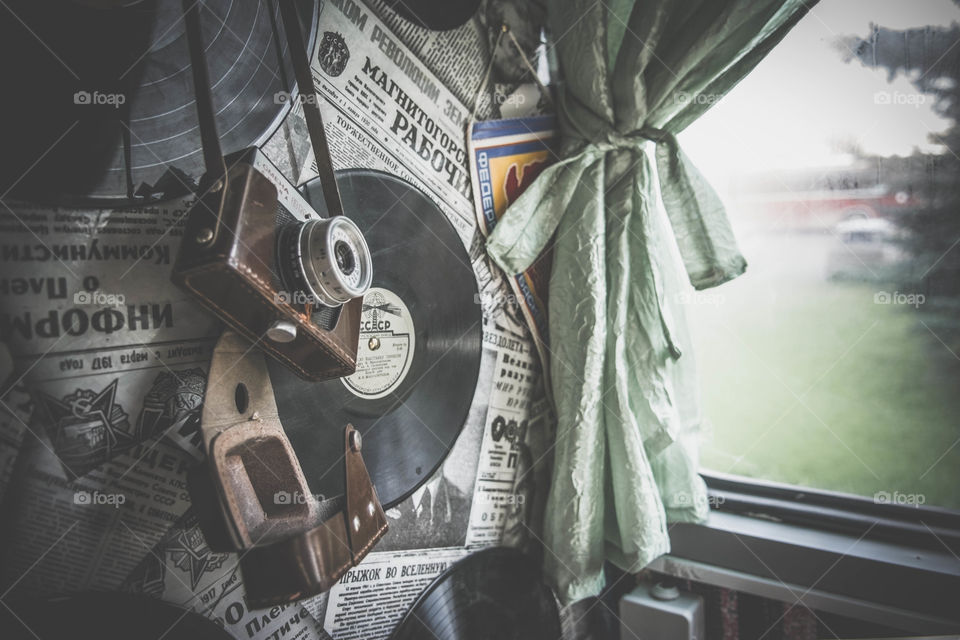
(634, 74)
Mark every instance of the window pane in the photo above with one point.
(833, 362)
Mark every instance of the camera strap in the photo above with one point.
(214, 163)
(310, 102)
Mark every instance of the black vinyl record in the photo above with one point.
(494, 594)
(102, 614)
(420, 348)
(99, 103)
(438, 15)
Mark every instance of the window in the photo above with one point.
(834, 362)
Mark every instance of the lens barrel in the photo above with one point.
(328, 259)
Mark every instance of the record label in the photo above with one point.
(387, 341)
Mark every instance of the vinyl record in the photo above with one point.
(102, 614)
(99, 103)
(438, 15)
(419, 354)
(494, 594)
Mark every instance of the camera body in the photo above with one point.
(260, 257)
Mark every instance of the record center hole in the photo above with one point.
(242, 397)
(344, 256)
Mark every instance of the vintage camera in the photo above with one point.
(290, 282)
(259, 256)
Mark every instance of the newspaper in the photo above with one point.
(384, 110)
(112, 360)
(182, 569)
(14, 415)
(12, 430)
(495, 494)
(392, 580)
(116, 365)
(115, 362)
(90, 532)
(452, 55)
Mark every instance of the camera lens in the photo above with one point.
(329, 260)
(345, 259)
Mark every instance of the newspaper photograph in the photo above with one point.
(452, 54)
(438, 512)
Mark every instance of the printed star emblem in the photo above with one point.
(191, 554)
(86, 427)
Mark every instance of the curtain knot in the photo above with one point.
(633, 140)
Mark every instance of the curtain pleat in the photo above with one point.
(624, 381)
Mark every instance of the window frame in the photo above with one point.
(889, 564)
(919, 526)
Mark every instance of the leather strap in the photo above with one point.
(290, 544)
(311, 107)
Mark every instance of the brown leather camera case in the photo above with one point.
(234, 273)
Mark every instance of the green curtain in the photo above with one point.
(634, 74)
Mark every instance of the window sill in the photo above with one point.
(901, 586)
